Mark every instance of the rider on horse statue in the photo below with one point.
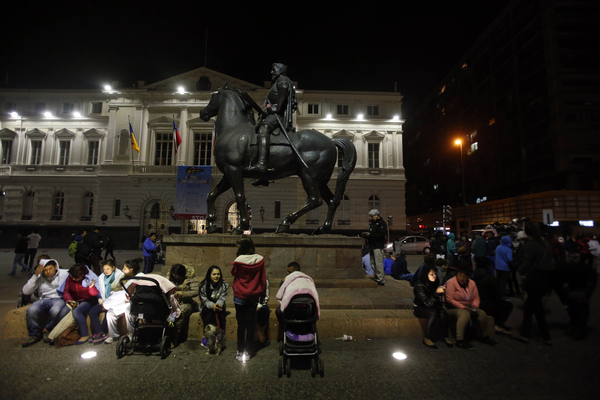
(281, 103)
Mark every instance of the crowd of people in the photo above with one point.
(463, 282)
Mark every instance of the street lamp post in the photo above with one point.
(462, 170)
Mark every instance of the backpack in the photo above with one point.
(73, 248)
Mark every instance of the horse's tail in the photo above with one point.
(348, 163)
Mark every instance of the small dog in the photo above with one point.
(215, 338)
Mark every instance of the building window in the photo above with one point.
(164, 149)
(93, 148)
(28, 206)
(373, 155)
(374, 203)
(39, 108)
(67, 108)
(117, 210)
(64, 152)
(474, 147)
(277, 209)
(96, 108)
(313, 109)
(87, 207)
(58, 206)
(342, 109)
(36, 152)
(344, 211)
(372, 110)
(202, 148)
(6, 151)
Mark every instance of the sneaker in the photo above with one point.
(489, 341)
(98, 338)
(109, 340)
(31, 341)
(47, 337)
(464, 345)
(239, 357)
(204, 342)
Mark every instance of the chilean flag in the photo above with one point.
(176, 137)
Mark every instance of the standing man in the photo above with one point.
(33, 242)
(149, 249)
(90, 249)
(281, 104)
(376, 239)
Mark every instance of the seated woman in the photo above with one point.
(80, 292)
(117, 304)
(109, 280)
(213, 293)
(187, 287)
(428, 305)
(462, 301)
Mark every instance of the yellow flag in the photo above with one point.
(134, 144)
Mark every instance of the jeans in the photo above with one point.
(54, 308)
(18, 261)
(80, 312)
(209, 317)
(148, 265)
(30, 256)
(246, 317)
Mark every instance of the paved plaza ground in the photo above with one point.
(353, 370)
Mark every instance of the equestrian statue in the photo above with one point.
(271, 150)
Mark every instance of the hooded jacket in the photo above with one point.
(47, 288)
(249, 276)
(503, 254)
(450, 245)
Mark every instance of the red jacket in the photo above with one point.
(249, 276)
(74, 291)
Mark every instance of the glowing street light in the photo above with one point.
(48, 114)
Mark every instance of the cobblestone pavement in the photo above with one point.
(353, 370)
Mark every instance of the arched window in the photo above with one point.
(343, 211)
(58, 206)
(87, 207)
(374, 203)
(28, 206)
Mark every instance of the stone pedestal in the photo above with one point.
(321, 257)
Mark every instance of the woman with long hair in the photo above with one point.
(213, 293)
(249, 285)
(429, 298)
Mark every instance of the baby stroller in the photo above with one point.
(150, 308)
(300, 336)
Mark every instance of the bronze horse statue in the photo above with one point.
(234, 152)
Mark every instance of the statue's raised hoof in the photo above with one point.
(318, 231)
(282, 228)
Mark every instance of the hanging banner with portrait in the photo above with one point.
(193, 184)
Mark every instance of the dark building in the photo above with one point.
(524, 101)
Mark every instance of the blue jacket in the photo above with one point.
(149, 248)
(450, 245)
(503, 254)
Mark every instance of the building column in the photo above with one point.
(360, 145)
(143, 140)
(111, 141)
(183, 132)
(398, 149)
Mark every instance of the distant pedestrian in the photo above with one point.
(20, 250)
(149, 248)
(376, 239)
(451, 251)
(33, 242)
(109, 247)
(504, 258)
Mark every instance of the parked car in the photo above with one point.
(410, 244)
(483, 232)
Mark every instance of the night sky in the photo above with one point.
(326, 45)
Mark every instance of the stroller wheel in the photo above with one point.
(313, 367)
(321, 370)
(165, 347)
(122, 346)
(279, 368)
(288, 368)
(280, 348)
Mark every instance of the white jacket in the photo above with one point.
(46, 288)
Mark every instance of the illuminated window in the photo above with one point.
(6, 151)
(93, 148)
(164, 149)
(36, 152)
(58, 206)
(492, 121)
(373, 155)
(64, 152)
(202, 148)
(474, 146)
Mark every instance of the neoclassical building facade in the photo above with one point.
(67, 162)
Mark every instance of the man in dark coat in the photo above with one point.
(376, 239)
